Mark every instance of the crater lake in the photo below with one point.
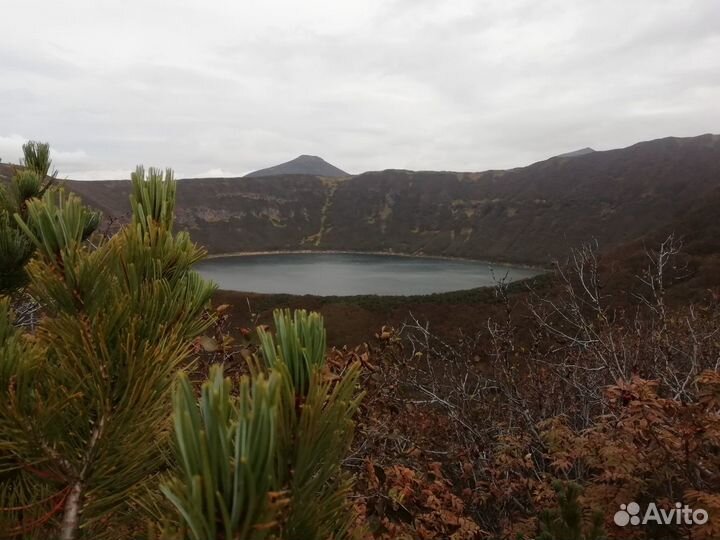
(348, 274)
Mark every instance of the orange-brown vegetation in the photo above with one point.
(622, 401)
(582, 382)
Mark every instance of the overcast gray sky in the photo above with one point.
(222, 88)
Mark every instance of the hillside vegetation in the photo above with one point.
(530, 214)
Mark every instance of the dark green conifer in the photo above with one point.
(30, 182)
(86, 396)
(266, 460)
(567, 521)
(85, 399)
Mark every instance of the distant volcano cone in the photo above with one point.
(311, 165)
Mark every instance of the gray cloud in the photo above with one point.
(227, 87)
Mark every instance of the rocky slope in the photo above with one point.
(529, 214)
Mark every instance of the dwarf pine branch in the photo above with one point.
(85, 400)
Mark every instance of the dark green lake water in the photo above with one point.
(340, 274)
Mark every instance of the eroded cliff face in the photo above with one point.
(531, 214)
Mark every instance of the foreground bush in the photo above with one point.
(86, 395)
(30, 182)
(265, 460)
(85, 399)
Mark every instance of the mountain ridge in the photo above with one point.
(303, 164)
(527, 215)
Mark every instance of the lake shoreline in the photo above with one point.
(387, 253)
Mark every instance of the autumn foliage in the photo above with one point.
(576, 386)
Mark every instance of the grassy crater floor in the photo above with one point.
(351, 320)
